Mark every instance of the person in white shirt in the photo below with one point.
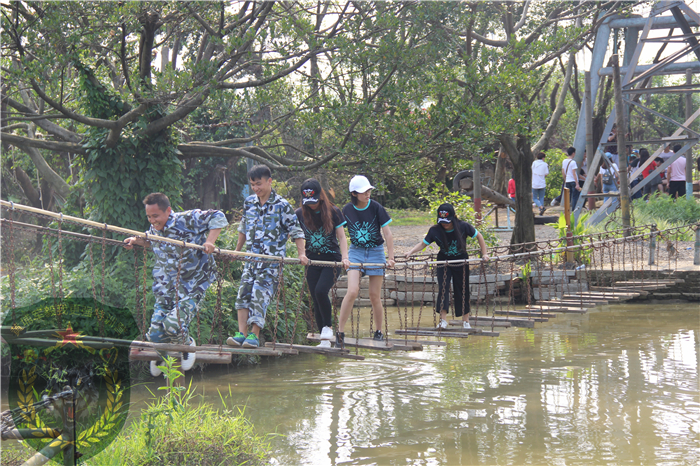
(540, 169)
(676, 176)
(569, 171)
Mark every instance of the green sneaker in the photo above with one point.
(236, 340)
(251, 341)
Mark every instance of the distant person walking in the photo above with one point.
(540, 170)
(569, 171)
(609, 177)
(676, 175)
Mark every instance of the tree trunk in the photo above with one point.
(521, 156)
(501, 175)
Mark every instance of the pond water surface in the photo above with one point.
(618, 385)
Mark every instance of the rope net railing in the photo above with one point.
(524, 284)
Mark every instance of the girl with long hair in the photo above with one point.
(322, 223)
(450, 234)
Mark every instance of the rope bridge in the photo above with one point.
(520, 285)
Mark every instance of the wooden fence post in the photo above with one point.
(652, 244)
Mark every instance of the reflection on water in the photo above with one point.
(618, 385)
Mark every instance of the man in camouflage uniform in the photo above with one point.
(268, 220)
(189, 279)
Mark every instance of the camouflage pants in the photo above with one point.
(258, 284)
(165, 324)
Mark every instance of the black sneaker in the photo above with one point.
(340, 340)
(542, 209)
(378, 336)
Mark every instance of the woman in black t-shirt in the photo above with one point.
(322, 223)
(450, 235)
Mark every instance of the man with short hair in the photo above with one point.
(181, 275)
(268, 221)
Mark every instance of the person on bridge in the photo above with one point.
(367, 222)
(268, 221)
(190, 270)
(322, 223)
(450, 234)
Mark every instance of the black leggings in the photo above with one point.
(321, 280)
(459, 275)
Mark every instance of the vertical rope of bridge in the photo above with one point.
(433, 284)
(443, 297)
(144, 265)
(12, 270)
(511, 299)
(356, 331)
(216, 319)
(398, 303)
(136, 283)
(177, 291)
(334, 304)
(304, 287)
(278, 293)
(92, 283)
(386, 312)
(539, 288)
(53, 283)
(466, 298)
(60, 261)
(420, 311)
(500, 300)
(102, 293)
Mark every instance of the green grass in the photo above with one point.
(411, 217)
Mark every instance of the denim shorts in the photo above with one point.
(367, 256)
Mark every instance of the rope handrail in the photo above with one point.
(292, 260)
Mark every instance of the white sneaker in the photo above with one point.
(188, 359)
(465, 324)
(442, 324)
(325, 343)
(155, 370)
(327, 334)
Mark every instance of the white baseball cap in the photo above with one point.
(360, 184)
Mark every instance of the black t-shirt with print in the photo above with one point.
(365, 226)
(322, 245)
(449, 251)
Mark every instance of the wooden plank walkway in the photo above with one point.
(445, 333)
(369, 343)
(335, 352)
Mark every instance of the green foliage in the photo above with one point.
(174, 430)
(577, 230)
(660, 210)
(681, 211)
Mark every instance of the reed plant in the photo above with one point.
(174, 430)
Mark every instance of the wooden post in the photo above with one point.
(688, 153)
(477, 188)
(621, 146)
(567, 217)
(696, 259)
(652, 245)
(590, 148)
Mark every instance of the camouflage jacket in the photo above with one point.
(198, 269)
(267, 227)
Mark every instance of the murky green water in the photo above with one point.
(618, 385)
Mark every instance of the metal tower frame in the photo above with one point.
(683, 17)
